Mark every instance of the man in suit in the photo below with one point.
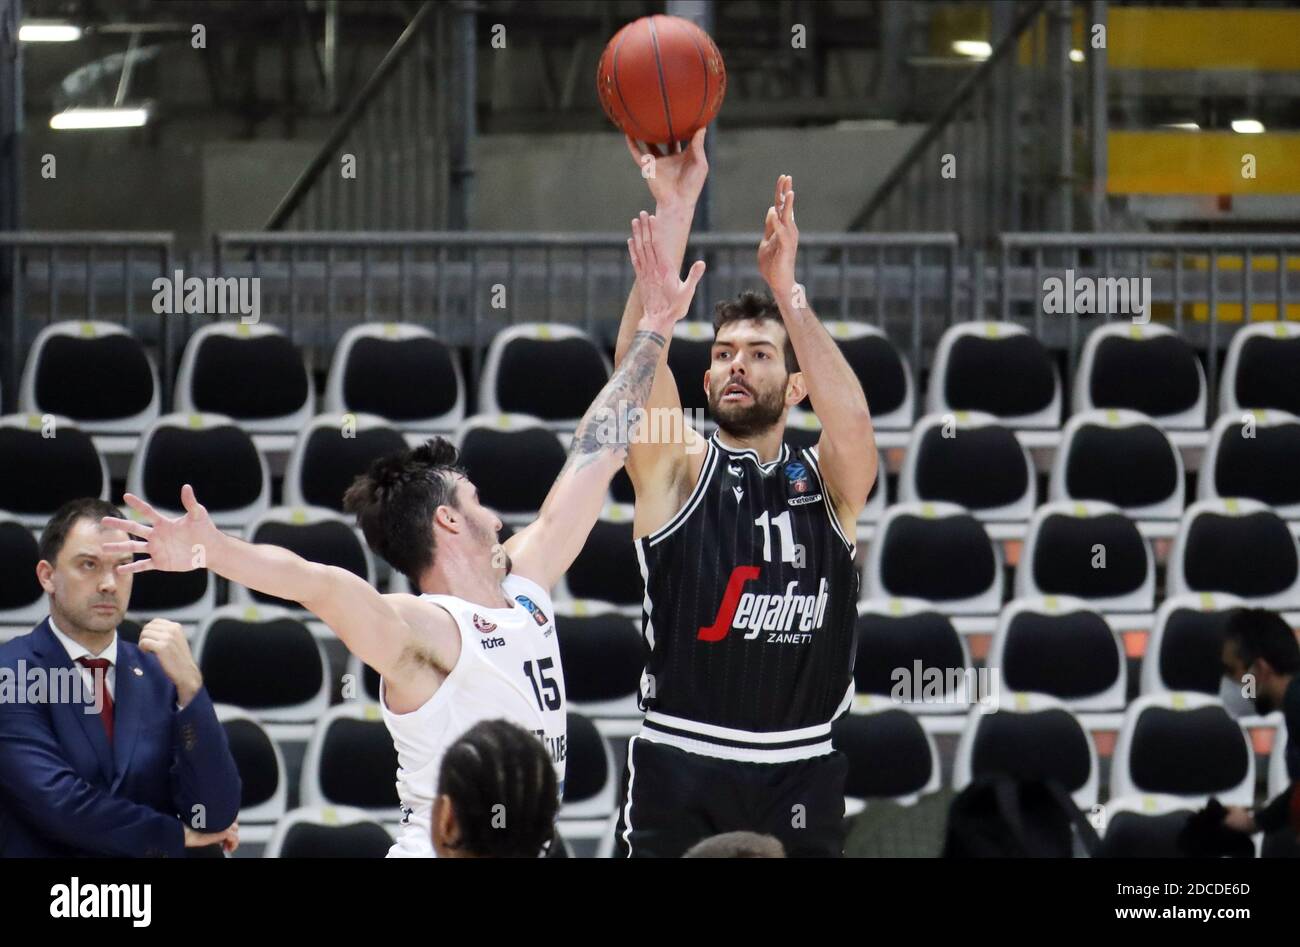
(106, 747)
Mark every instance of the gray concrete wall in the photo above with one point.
(135, 180)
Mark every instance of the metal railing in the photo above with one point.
(82, 275)
(1205, 286)
(391, 135)
(468, 286)
(1001, 153)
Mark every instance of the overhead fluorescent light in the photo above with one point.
(974, 48)
(35, 31)
(1185, 126)
(1247, 126)
(100, 118)
(1076, 55)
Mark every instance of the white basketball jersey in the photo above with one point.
(509, 668)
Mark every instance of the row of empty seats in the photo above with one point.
(102, 377)
(936, 552)
(1174, 751)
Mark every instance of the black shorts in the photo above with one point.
(679, 798)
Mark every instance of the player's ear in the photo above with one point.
(447, 517)
(707, 374)
(446, 837)
(795, 389)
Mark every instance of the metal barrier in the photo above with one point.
(468, 286)
(1203, 285)
(90, 275)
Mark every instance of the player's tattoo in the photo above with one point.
(616, 409)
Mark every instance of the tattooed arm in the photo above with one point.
(547, 547)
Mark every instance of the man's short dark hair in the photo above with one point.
(497, 763)
(1259, 633)
(737, 845)
(395, 501)
(65, 517)
(751, 305)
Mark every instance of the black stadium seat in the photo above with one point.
(252, 373)
(976, 463)
(398, 372)
(1047, 744)
(523, 363)
(326, 832)
(1070, 653)
(944, 558)
(888, 642)
(888, 753)
(513, 468)
(1090, 551)
(328, 457)
(1263, 369)
(21, 595)
(1262, 466)
(689, 357)
(38, 474)
(602, 654)
(92, 372)
(267, 664)
(1197, 751)
(357, 765)
(1236, 546)
(1121, 458)
(999, 369)
(211, 453)
(1147, 368)
(586, 768)
(606, 569)
(1190, 649)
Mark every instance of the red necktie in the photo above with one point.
(99, 668)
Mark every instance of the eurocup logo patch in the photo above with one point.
(483, 625)
(539, 616)
(797, 474)
(799, 483)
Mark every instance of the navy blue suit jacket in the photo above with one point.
(65, 790)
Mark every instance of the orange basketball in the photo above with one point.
(660, 79)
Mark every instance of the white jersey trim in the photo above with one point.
(755, 737)
(736, 753)
(693, 501)
(811, 457)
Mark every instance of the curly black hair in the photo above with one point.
(503, 791)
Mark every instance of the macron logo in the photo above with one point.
(78, 900)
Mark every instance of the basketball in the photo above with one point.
(661, 79)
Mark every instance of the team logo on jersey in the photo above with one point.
(483, 625)
(799, 483)
(788, 618)
(539, 616)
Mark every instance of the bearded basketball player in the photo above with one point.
(747, 552)
(479, 643)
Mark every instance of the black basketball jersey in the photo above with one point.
(749, 611)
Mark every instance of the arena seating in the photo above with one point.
(978, 550)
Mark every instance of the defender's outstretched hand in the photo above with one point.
(173, 544)
(665, 297)
(675, 178)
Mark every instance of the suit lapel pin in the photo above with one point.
(138, 672)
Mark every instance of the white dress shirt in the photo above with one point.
(76, 651)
